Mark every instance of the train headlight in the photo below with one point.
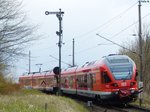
(132, 83)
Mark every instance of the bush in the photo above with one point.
(8, 87)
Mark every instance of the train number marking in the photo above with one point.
(123, 84)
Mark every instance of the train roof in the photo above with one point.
(112, 59)
(38, 74)
(117, 60)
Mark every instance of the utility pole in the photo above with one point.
(73, 53)
(59, 33)
(29, 62)
(141, 50)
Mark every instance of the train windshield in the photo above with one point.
(122, 72)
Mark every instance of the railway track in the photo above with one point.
(96, 107)
(141, 109)
(129, 108)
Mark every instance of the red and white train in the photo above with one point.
(113, 78)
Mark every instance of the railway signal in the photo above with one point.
(56, 71)
(59, 15)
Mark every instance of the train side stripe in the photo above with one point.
(88, 93)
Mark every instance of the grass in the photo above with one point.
(38, 102)
(145, 101)
(13, 99)
(31, 92)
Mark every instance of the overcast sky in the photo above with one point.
(82, 20)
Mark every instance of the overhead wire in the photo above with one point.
(102, 25)
(81, 51)
(115, 43)
(116, 34)
(126, 28)
(111, 37)
(121, 32)
(107, 22)
(61, 60)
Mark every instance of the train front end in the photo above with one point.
(120, 78)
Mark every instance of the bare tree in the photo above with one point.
(15, 32)
(134, 46)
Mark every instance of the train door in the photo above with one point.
(105, 79)
(90, 81)
(102, 75)
(102, 84)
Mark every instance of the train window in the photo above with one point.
(105, 78)
(85, 78)
(33, 82)
(90, 80)
(63, 81)
(79, 80)
(71, 81)
(122, 72)
(118, 61)
(94, 78)
(85, 81)
(82, 81)
(27, 82)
